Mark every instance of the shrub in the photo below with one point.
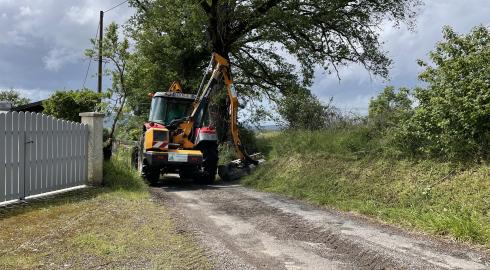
(68, 104)
(13, 97)
(390, 108)
(302, 110)
(452, 119)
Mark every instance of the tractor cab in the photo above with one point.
(168, 106)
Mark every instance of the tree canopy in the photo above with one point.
(263, 40)
(69, 104)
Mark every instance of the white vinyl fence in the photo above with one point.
(40, 154)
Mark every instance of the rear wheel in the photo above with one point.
(210, 163)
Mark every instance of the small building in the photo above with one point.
(36, 107)
(5, 106)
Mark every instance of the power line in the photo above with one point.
(90, 58)
(115, 6)
(95, 39)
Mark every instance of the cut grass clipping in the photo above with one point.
(115, 227)
(342, 169)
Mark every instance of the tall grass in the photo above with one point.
(120, 176)
(348, 169)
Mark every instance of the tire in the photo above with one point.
(150, 174)
(210, 163)
(135, 157)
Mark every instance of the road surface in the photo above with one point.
(245, 229)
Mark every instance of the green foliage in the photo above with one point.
(343, 168)
(452, 119)
(69, 104)
(130, 127)
(116, 52)
(13, 97)
(302, 110)
(174, 40)
(390, 108)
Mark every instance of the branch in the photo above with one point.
(245, 26)
(205, 6)
(141, 5)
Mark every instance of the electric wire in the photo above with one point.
(116, 6)
(95, 39)
(90, 58)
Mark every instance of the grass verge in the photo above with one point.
(115, 227)
(340, 168)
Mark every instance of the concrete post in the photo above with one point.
(94, 120)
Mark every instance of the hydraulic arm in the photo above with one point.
(220, 75)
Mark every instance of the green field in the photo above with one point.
(346, 170)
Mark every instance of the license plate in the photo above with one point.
(176, 157)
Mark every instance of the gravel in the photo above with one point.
(245, 229)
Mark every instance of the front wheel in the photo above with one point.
(150, 174)
(210, 163)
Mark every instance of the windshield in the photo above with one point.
(164, 110)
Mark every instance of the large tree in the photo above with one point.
(263, 39)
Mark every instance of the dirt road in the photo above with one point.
(246, 229)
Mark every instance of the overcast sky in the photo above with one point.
(42, 44)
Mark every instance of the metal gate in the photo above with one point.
(40, 154)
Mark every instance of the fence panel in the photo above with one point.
(2, 159)
(39, 154)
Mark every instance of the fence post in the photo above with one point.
(94, 121)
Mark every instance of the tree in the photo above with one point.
(69, 104)
(116, 53)
(390, 108)
(452, 119)
(13, 97)
(178, 36)
(304, 111)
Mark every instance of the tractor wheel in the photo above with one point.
(150, 174)
(135, 157)
(210, 163)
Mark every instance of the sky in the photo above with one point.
(42, 45)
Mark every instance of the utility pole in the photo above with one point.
(101, 27)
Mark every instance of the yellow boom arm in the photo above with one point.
(221, 73)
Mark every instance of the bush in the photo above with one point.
(13, 97)
(390, 108)
(452, 119)
(69, 104)
(302, 110)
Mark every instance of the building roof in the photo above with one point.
(31, 107)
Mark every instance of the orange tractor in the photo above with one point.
(178, 137)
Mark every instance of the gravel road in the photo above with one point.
(244, 229)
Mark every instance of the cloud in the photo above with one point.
(42, 42)
(404, 47)
(58, 57)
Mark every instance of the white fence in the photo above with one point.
(40, 154)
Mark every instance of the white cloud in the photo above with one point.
(27, 11)
(404, 47)
(58, 57)
(42, 42)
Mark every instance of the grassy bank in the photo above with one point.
(115, 227)
(344, 169)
